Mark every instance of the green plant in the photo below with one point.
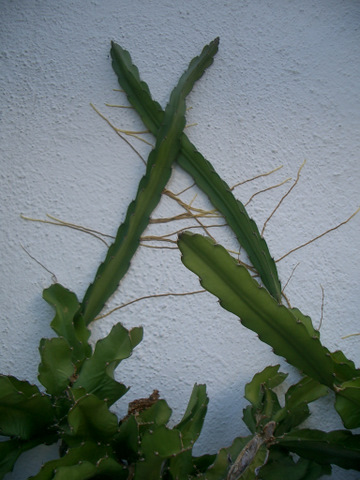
(80, 387)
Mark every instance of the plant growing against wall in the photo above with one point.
(75, 409)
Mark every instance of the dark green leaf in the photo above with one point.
(10, 450)
(24, 410)
(348, 401)
(239, 293)
(66, 322)
(194, 416)
(269, 377)
(158, 414)
(97, 373)
(91, 419)
(56, 367)
(339, 447)
(297, 397)
(281, 465)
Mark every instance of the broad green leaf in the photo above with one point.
(158, 414)
(66, 322)
(306, 390)
(126, 441)
(281, 465)
(296, 409)
(226, 456)
(347, 402)
(91, 419)
(10, 450)
(275, 324)
(181, 466)
(158, 171)
(202, 463)
(24, 410)
(161, 442)
(192, 422)
(88, 451)
(200, 169)
(56, 367)
(106, 468)
(270, 377)
(264, 401)
(156, 446)
(345, 369)
(339, 447)
(97, 373)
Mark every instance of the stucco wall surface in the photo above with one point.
(284, 88)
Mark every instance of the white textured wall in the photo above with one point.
(284, 87)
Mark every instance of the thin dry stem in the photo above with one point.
(118, 133)
(53, 276)
(290, 277)
(283, 198)
(61, 223)
(266, 190)
(350, 335)
(322, 306)
(169, 294)
(318, 236)
(256, 177)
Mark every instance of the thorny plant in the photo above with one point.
(79, 380)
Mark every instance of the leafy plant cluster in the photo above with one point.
(80, 388)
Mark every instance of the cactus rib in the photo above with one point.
(201, 170)
(151, 185)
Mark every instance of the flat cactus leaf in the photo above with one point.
(192, 422)
(24, 410)
(270, 377)
(275, 324)
(156, 446)
(161, 442)
(297, 398)
(87, 452)
(181, 466)
(136, 90)
(281, 465)
(106, 468)
(306, 390)
(136, 335)
(218, 469)
(265, 404)
(158, 171)
(91, 419)
(339, 447)
(200, 169)
(344, 368)
(126, 440)
(56, 367)
(202, 463)
(65, 324)
(347, 402)
(157, 414)
(10, 450)
(97, 372)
